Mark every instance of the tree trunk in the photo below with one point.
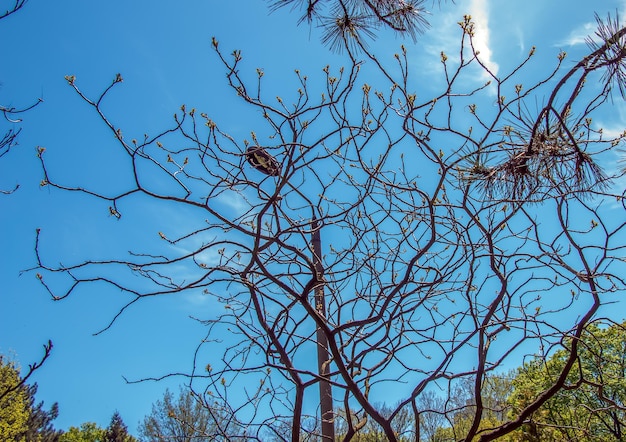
(323, 358)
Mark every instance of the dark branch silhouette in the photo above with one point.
(447, 241)
(31, 369)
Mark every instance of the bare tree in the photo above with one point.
(9, 138)
(185, 418)
(431, 415)
(445, 240)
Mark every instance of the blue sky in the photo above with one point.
(162, 49)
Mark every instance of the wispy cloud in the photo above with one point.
(613, 125)
(480, 15)
(234, 201)
(446, 33)
(578, 35)
(581, 33)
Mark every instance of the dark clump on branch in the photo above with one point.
(262, 161)
(345, 23)
(531, 172)
(543, 156)
(609, 46)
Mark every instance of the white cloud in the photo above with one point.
(612, 131)
(197, 298)
(480, 15)
(445, 37)
(586, 30)
(579, 35)
(613, 125)
(234, 201)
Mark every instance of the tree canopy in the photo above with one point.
(21, 418)
(591, 403)
(117, 431)
(14, 404)
(86, 432)
(186, 417)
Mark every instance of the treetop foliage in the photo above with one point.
(21, 419)
(14, 411)
(590, 403)
(117, 430)
(187, 417)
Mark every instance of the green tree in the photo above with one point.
(39, 425)
(88, 432)
(117, 431)
(359, 427)
(20, 417)
(591, 405)
(14, 403)
(187, 418)
(464, 407)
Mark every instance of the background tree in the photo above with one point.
(431, 416)
(10, 387)
(362, 429)
(420, 237)
(39, 425)
(459, 408)
(592, 404)
(117, 430)
(88, 432)
(21, 419)
(188, 418)
(14, 405)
